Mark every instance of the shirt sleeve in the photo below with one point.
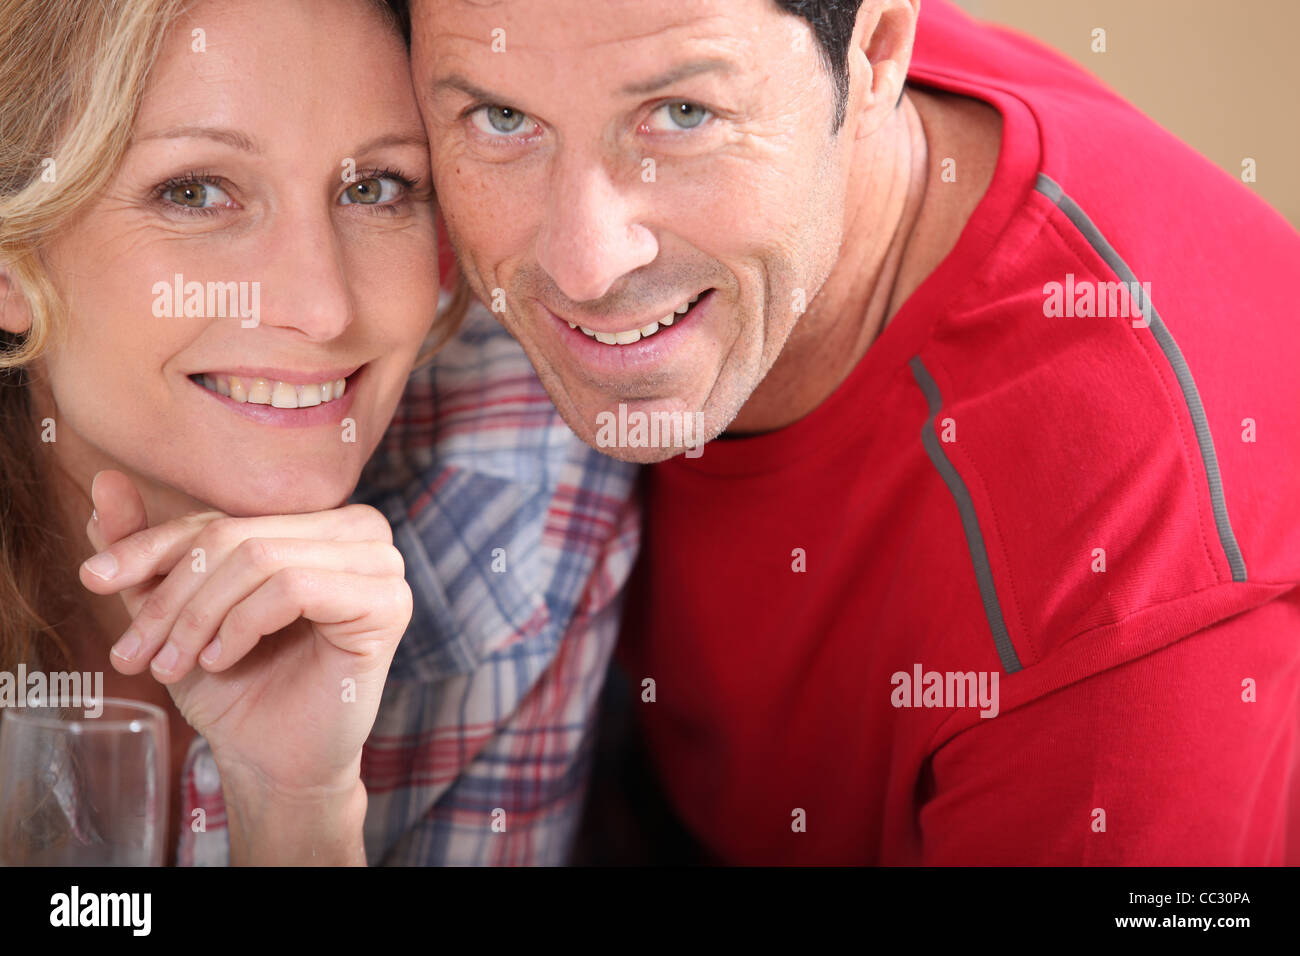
(1184, 757)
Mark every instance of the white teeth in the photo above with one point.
(284, 395)
(630, 336)
(261, 391)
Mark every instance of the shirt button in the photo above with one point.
(206, 777)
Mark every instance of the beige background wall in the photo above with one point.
(1222, 75)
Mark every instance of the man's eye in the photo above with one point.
(498, 120)
(678, 116)
(196, 195)
(372, 191)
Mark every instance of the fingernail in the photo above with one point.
(102, 565)
(94, 514)
(211, 652)
(166, 658)
(128, 646)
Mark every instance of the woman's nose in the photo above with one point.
(304, 280)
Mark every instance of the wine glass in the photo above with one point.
(84, 786)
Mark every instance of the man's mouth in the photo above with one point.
(276, 392)
(636, 334)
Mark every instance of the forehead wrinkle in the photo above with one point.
(660, 31)
(581, 44)
(456, 71)
(460, 71)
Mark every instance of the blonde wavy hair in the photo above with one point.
(72, 76)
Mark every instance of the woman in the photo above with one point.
(217, 269)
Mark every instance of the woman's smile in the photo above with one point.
(283, 398)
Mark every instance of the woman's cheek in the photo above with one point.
(398, 301)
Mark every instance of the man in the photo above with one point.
(994, 558)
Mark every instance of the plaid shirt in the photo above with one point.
(517, 539)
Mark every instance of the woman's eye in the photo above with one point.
(678, 116)
(498, 120)
(372, 191)
(196, 195)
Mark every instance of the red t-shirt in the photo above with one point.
(1106, 517)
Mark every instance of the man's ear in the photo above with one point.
(882, 47)
(15, 316)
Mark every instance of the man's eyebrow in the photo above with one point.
(229, 137)
(418, 140)
(456, 82)
(679, 73)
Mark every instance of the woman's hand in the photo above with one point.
(274, 636)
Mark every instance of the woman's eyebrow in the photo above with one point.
(230, 137)
(245, 143)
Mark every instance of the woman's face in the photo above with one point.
(270, 231)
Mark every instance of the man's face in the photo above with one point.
(606, 165)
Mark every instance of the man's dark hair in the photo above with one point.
(832, 23)
(401, 17)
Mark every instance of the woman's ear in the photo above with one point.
(15, 317)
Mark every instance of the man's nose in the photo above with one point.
(590, 237)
